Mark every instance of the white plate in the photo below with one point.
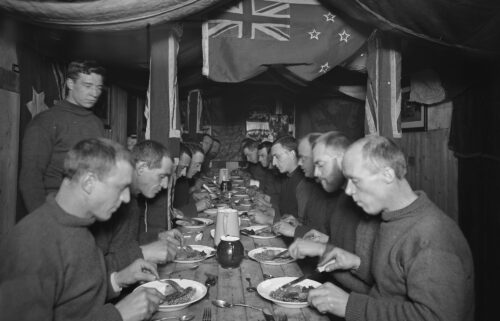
(258, 250)
(266, 287)
(201, 290)
(257, 227)
(212, 233)
(210, 211)
(205, 221)
(207, 249)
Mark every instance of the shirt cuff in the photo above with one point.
(117, 288)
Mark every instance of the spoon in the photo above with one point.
(211, 280)
(250, 288)
(225, 304)
(181, 318)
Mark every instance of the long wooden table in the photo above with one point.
(231, 285)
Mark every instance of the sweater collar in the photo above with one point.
(65, 218)
(296, 172)
(73, 108)
(408, 210)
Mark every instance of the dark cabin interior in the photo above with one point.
(458, 164)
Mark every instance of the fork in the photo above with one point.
(207, 314)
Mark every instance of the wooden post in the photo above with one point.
(9, 147)
(383, 94)
(164, 110)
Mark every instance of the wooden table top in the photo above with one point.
(232, 284)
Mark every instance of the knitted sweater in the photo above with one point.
(51, 269)
(422, 268)
(287, 201)
(46, 140)
(118, 237)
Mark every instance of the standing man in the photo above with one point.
(51, 267)
(121, 237)
(53, 132)
(422, 265)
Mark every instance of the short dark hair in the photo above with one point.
(334, 140)
(150, 152)
(183, 149)
(84, 67)
(382, 151)
(288, 142)
(267, 145)
(249, 143)
(95, 155)
(194, 148)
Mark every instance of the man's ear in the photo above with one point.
(388, 174)
(88, 181)
(70, 83)
(338, 159)
(140, 167)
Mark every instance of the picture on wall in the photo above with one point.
(413, 114)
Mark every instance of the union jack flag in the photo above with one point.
(255, 19)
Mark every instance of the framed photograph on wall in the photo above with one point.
(413, 114)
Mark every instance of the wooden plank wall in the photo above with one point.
(432, 167)
(118, 103)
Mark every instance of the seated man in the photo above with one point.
(183, 199)
(249, 150)
(422, 265)
(347, 226)
(284, 153)
(51, 267)
(119, 237)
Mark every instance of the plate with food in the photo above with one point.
(294, 296)
(258, 232)
(210, 211)
(179, 293)
(194, 253)
(195, 222)
(267, 255)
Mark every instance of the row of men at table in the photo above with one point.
(399, 256)
(395, 254)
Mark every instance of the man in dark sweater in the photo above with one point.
(120, 238)
(51, 268)
(347, 225)
(422, 265)
(284, 153)
(53, 132)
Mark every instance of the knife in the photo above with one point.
(317, 271)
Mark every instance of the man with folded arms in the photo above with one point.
(51, 267)
(421, 265)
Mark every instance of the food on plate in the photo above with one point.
(268, 255)
(262, 232)
(295, 293)
(192, 222)
(176, 294)
(188, 253)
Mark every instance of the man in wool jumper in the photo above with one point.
(421, 265)
(347, 225)
(51, 268)
(50, 134)
(284, 153)
(120, 238)
(312, 200)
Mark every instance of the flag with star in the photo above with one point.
(244, 40)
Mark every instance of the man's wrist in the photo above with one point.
(115, 284)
